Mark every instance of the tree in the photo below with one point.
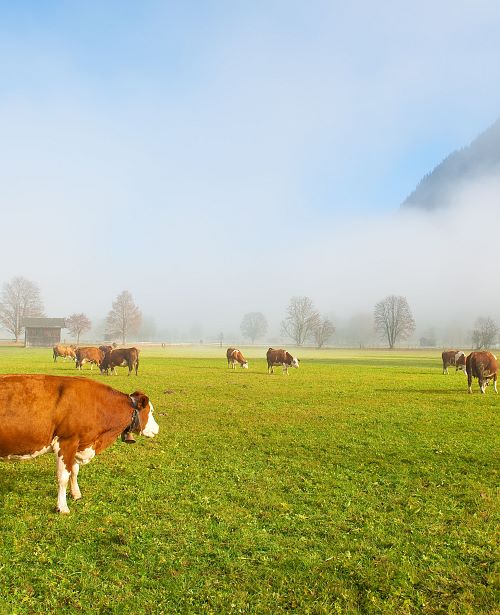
(124, 317)
(323, 332)
(254, 325)
(20, 299)
(393, 319)
(485, 332)
(78, 324)
(301, 320)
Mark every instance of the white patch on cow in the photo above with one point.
(152, 427)
(85, 456)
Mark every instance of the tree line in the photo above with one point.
(20, 299)
(392, 318)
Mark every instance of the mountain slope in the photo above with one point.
(481, 159)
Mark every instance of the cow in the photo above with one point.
(120, 357)
(280, 357)
(106, 349)
(453, 357)
(483, 366)
(76, 418)
(235, 356)
(61, 350)
(88, 354)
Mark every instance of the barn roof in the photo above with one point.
(47, 323)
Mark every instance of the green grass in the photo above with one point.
(364, 482)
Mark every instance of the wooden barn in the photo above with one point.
(45, 332)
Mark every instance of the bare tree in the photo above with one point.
(301, 320)
(124, 317)
(485, 333)
(20, 299)
(78, 324)
(254, 325)
(323, 332)
(393, 319)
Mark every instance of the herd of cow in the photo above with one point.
(479, 364)
(273, 356)
(105, 357)
(77, 418)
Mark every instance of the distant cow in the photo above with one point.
(483, 366)
(88, 354)
(235, 356)
(76, 418)
(453, 357)
(61, 350)
(120, 357)
(280, 357)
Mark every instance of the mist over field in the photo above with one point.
(220, 162)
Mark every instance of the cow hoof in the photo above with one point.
(63, 511)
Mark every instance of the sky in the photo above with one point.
(217, 158)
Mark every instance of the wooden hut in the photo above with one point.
(44, 332)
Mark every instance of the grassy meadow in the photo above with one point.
(364, 482)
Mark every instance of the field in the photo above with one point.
(364, 482)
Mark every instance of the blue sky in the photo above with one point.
(180, 140)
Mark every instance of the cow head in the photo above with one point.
(147, 426)
(460, 361)
(295, 362)
(244, 365)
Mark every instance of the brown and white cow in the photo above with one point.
(61, 350)
(235, 356)
(76, 418)
(120, 357)
(88, 354)
(483, 366)
(453, 357)
(280, 357)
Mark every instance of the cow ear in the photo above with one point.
(141, 399)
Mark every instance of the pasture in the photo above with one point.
(364, 482)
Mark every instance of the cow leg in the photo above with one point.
(73, 482)
(469, 382)
(495, 383)
(482, 385)
(62, 481)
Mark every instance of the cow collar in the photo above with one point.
(134, 424)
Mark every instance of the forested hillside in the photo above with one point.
(480, 159)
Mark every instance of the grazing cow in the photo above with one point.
(453, 357)
(88, 354)
(280, 357)
(76, 418)
(61, 350)
(235, 356)
(483, 366)
(120, 357)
